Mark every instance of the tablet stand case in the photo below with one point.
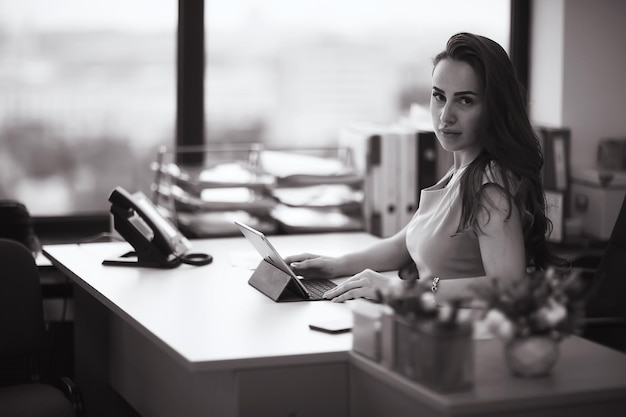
(275, 283)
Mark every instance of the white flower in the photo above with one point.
(499, 325)
(506, 330)
(428, 301)
(552, 313)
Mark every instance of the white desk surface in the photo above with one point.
(209, 317)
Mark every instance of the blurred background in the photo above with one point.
(88, 87)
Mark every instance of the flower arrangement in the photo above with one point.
(414, 302)
(431, 343)
(409, 300)
(549, 303)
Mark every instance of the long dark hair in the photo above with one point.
(511, 151)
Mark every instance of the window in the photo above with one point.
(87, 94)
(286, 72)
(88, 88)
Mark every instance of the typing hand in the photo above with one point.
(365, 284)
(312, 266)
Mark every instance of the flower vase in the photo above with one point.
(431, 353)
(531, 356)
(445, 356)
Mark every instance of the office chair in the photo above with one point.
(22, 334)
(17, 224)
(605, 313)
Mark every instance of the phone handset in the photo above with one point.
(157, 242)
(141, 226)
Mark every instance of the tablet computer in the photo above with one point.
(312, 289)
(265, 248)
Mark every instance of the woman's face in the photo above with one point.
(456, 107)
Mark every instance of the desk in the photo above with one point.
(199, 341)
(588, 380)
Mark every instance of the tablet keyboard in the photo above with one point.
(317, 287)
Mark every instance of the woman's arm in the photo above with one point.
(386, 255)
(458, 288)
(502, 239)
(501, 247)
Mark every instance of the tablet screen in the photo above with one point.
(265, 248)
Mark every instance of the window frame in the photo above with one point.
(190, 123)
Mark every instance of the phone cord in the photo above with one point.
(197, 259)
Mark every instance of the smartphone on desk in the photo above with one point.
(332, 326)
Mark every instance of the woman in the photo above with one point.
(486, 217)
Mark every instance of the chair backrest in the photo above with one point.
(608, 292)
(22, 328)
(17, 224)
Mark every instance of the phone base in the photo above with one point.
(131, 259)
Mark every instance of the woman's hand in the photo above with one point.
(314, 266)
(365, 284)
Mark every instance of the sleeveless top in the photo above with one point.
(432, 240)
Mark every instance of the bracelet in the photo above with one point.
(434, 289)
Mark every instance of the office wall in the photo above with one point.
(577, 76)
